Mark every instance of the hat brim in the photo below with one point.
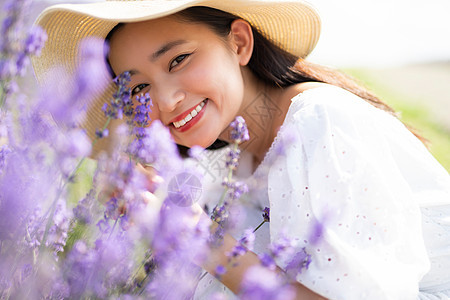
(292, 25)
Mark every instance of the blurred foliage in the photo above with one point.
(414, 115)
(82, 182)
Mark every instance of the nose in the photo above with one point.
(167, 96)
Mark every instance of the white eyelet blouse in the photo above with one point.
(380, 198)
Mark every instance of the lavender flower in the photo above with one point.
(22, 182)
(219, 213)
(239, 132)
(284, 249)
(267, 261)
(266, 214)
(96, 272)
(232, 159)
(316, 233)
(83, 211)
(248, 239)
(237, 251)
(140, 121)
(142, 110)
(58, 232)
(14, 54)
(235, 189)
(121, 103)
(162, 155)
(35, 41)
(180, 239)
(34, 229)
(101, 133)
(220, 270)
(262, 284)
(122, 189)
(103, 226)
(299, 262)
(244, 244)
(32, 46)
(79, 266)
(4, 151)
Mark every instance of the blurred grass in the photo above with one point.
(414, 115)
(82, 183)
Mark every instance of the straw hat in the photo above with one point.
(292, 25)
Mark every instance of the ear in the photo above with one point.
(241, 36)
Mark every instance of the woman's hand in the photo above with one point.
(235, 274)
(153, 179)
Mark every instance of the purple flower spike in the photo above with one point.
(101, 133)
(86, 209)
(220, 270)
(219, 214)
(299, 262)
(282, 247)
(317, 232)
(244, 244)
(262, 284)
(143, 110)
(232, 159)
(58, 232)
(267, 261)
(35, 41)
(121, 103)
(248, 239)
(266, 214)
(239, 132)
(4, 151)
(235, 189)
(162, 155)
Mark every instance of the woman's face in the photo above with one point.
(192, 75)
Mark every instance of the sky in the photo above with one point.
(383, 32)
(375, 33)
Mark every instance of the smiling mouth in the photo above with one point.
(190, 115)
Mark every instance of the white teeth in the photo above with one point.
(189, 117)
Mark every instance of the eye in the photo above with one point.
(139, 88)
(177, 60)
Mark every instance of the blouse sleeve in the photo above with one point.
(348, 190)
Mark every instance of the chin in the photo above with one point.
(204, 143)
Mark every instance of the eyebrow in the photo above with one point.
(166, 47)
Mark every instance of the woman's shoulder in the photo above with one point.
(314, 99)
(319, 93)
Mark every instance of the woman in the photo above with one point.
(380, 198)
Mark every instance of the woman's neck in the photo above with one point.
(264, 109)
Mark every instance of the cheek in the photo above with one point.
(154, 115)
(199, 75)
